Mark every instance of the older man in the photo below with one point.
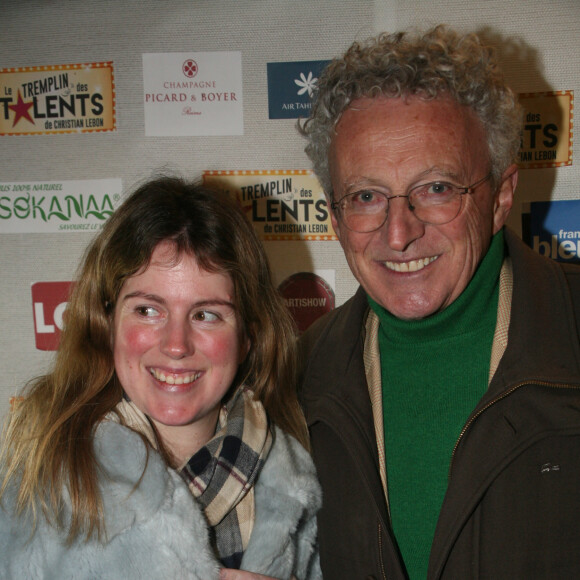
(443, 399)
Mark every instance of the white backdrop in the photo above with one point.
(538, 41)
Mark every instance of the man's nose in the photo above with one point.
(403, 228)
(177, 341)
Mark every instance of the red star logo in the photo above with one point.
(21, 109)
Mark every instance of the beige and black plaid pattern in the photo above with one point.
(222, 474)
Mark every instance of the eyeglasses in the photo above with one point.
(436, 202)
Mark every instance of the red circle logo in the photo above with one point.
(189, 68)
(307, 296)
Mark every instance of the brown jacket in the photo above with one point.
(513, 502)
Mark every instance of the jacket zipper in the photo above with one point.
(381, 552)
(493, 402)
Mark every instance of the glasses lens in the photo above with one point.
(436, 203)
(364, 211)
(364, 224)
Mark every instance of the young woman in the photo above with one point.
(167, 441)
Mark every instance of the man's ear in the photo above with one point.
(504, 197)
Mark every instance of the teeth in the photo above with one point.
(174, 380)
(411, 266)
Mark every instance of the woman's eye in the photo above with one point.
(205, 316)
(146, 311)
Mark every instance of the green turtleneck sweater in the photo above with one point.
(434, 371)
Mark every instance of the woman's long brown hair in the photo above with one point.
(47, 443)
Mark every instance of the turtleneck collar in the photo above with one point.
(463, 314)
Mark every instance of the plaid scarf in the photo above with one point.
(222, 474)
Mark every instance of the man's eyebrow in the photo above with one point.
(444, 173)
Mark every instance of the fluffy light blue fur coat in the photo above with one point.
(157, 530)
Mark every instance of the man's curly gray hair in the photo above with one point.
(438, 62)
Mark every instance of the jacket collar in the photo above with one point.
(337, 393)
(542, 310)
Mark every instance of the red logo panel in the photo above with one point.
(49, 301)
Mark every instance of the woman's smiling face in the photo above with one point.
(178, 342)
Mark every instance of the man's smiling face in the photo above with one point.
(387, 145)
